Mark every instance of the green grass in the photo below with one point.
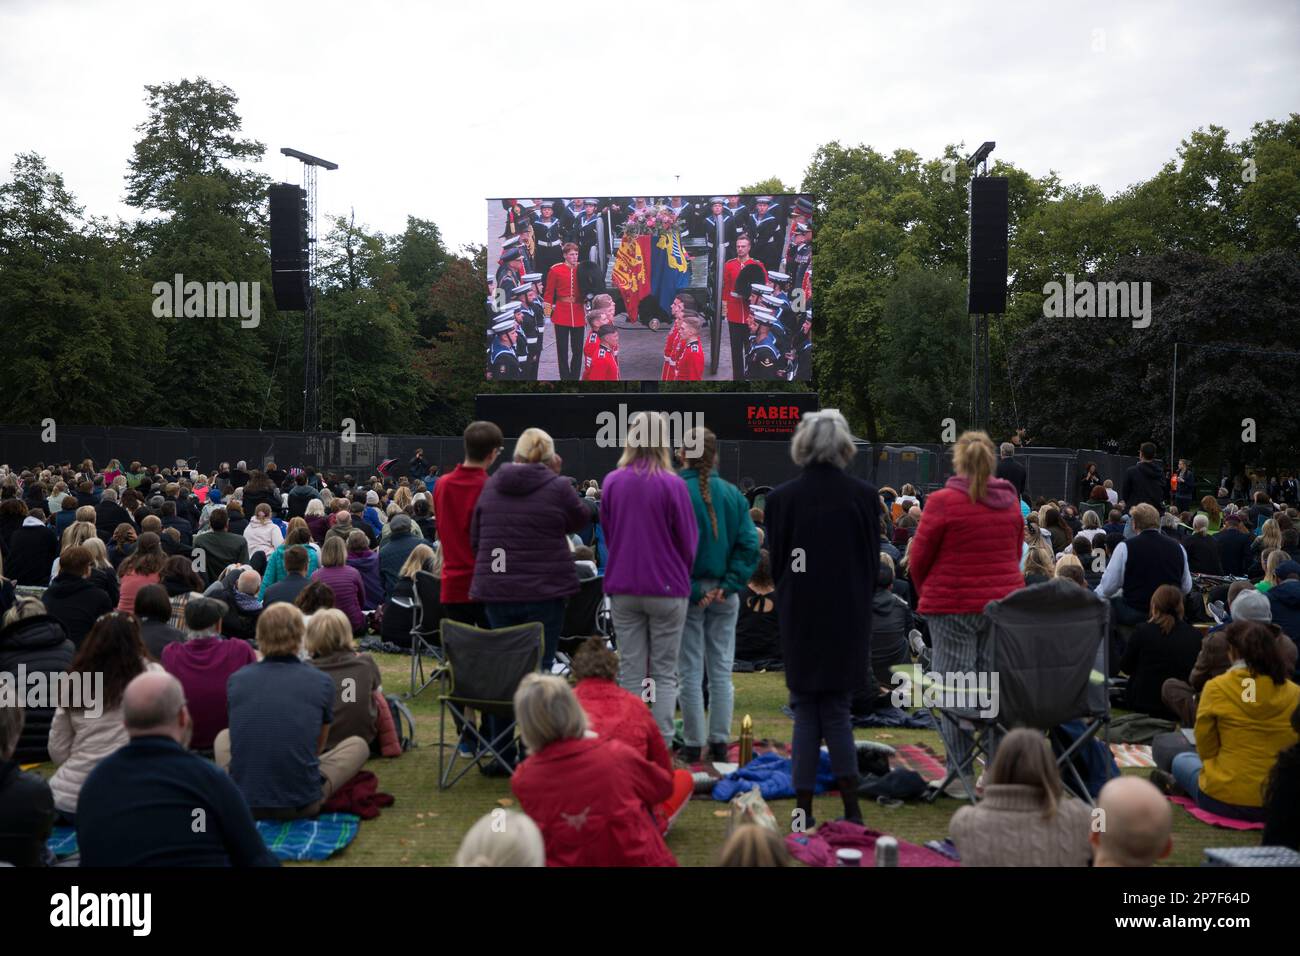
(424, 826)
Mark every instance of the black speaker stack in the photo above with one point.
(290, 258)
(986, 292)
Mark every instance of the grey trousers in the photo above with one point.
(649, 634)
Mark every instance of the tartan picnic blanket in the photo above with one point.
(62, 842)
(317, 838)
(921, 759)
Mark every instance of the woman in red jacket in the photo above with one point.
(621, 715)
(592, 797)
(966, 553)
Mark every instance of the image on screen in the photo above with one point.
(649, 288)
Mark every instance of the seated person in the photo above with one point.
(1281, 796)
(280, 714)
(356, 677)
(1247, 604)
(1026, 817)
(891, 620)
(504, 838)
(758, 636)
(621, 715)
(296, 561)
(399, 609)
(1243, 721)
(203, 663)
(366, 563)
(1165, 647)
(81, 736)
(26, 803)
(592, 797)
(1138, 824)
(72, 598)
(138, 806)
(154, 610)
(345, 582)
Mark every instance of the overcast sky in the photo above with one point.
(428, 108)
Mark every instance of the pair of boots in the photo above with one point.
(718, 753)
(848, 793)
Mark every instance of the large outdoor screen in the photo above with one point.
(649, 288)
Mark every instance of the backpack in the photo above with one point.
(396, 727)
(403, 721)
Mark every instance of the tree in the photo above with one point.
(75, 303)
(1123, 395)
(772, 186)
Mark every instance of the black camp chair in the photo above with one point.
(425, 620)
(1047, 644)
(581, 619)
(483, 670)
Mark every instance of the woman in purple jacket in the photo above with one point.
(523, 566)
(650, 530)
(344, 581)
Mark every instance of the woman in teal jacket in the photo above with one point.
(300, 535)
(724, 562)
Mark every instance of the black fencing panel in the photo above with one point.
(1052, 472)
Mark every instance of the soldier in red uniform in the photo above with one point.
(682, 302)
(690, 357)
(602, 366)
(600, 314)
(563, 305)
(736, 306)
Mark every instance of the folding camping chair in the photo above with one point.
(581, 619)
(1047, 644)
(483, 670)
(425, 638)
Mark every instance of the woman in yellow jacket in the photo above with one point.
(1243, 722)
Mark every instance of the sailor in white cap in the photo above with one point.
(765, 359)
(766, 232)
(531, 321)
(548, 238)
(503, 361)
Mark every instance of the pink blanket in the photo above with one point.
(818, 849)
(1205, 816)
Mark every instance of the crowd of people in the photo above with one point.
(220, 613)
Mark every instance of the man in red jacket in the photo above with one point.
(454, 498)
(602, 364)
(736, 307)
(562, 303)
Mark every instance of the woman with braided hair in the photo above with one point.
(724, 561)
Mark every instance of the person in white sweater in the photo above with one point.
(87, 724)
(262, 534)
(1026, 818)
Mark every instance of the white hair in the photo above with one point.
(502, 838)
(823, 438)
(1200, 523)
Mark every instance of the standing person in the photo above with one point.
(1089, 481)
(966, 553)
(454, 499)
(548, 238)
(563, 306)
(651, 533)
(1144, 483)
(725, 556)
(523, 569)
(417, 467)
(1011, 470)
(1184, 485)
(735, 302)
(823, 527)
(690, 353)
(601, 365)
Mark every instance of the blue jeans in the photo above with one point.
(708, 647)
(550, 614)
(1186, 769)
